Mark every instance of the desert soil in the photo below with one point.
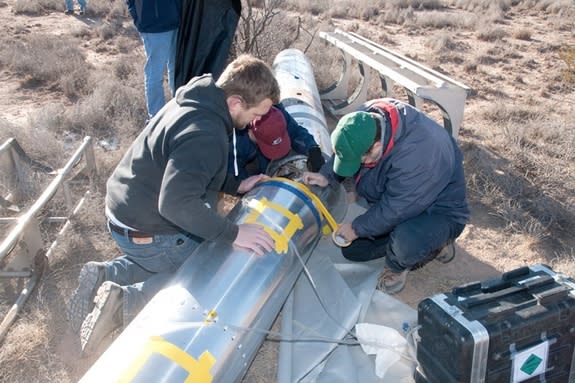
(484, 250)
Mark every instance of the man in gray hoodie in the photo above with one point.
(161, 198)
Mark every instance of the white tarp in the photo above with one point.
(314, 315)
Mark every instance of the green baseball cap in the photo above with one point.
(351, 138)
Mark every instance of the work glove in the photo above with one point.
(315, 159)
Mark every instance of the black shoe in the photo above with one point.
(82, 11)
(69, 12)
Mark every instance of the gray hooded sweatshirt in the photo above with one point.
(168, 180)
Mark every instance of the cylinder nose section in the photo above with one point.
(300, 96)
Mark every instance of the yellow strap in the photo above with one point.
(304, 189)
(198, 370)
(281, 240)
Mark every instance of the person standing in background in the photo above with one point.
(70, 7)
(205, 37)
(157, 21)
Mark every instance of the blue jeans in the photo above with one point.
(410, 244)
(160, 51)
(70, 4)
(145, 269)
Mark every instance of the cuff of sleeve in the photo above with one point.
(231, 185)
(230, 233)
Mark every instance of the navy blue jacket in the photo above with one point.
(422, 173)
(247, 151)
(154, 16)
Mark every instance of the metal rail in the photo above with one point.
(22, 252)
(420, 82)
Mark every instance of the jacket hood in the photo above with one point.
(202, 93)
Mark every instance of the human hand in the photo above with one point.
(254, 237)
(249, 183)
(346, 232)
(318, 179)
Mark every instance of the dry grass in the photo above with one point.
(518, 135)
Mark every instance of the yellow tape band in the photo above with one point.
(281, 240)
(199, 370)
(317, 202)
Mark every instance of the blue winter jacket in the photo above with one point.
(154, 16)
(422, 173)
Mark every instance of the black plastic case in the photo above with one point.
(516, 328)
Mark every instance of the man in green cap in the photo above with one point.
(410, 172)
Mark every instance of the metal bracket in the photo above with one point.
(420, 82)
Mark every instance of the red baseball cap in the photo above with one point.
(271, 134)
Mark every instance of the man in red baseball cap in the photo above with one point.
(269, 138)
(271, 135)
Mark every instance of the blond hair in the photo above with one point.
(251, 79)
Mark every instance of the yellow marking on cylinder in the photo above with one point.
(212, 314)
(281, 240)
(317, 202)
(198, 370)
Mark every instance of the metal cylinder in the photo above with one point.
(300, 96)
(209, 323)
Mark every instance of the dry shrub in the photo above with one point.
(110, 108)
(522, 34)
(37, 7)
(399, 16)
(535, 185)
(264, 32)
(563, 8)
(489, 33)
(313, 7)
(84, 32)
(42, 60)
(75, 84)
(438, 20)
(48, 152)
(442, 42)
(567, 54)
(414, 4)
(327, 63)
(32, 333)
(338, 11)
(485, 59)
(480, 6)
(114, 101)
(564, 262)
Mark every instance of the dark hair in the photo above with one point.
(378, 129)
(251, 79)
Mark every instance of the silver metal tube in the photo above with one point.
(299, 95)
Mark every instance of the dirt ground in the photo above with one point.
(484, 250)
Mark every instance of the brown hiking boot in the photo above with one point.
(106, 316)
(446, 254)
(391, 282)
